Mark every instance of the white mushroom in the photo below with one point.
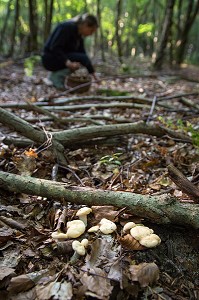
(82, 214)
(84, 242)
(128, 226)
(58, 235)
(78, 247)
(150, 241)
(75, 228)
(138, 232)
(80, 250)
(107, 226)
(93, 229)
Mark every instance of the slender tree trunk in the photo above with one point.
(117, 29)
(13, 35)
(48, 7)
(165, 34)
(3, 31)
(184, 31)
(101, 37)
(33, 24)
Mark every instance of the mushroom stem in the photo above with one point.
(74, 258)
(83, 219)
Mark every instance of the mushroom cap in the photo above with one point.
(59, 235)
(128, 226)
(83, 211)
(84, 243)
(75, 228)
(150, 241)
(94, 228)
(78, 247)
(107, 226)
(138, 232)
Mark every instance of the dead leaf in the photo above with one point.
(96, 282)
(108, 212)
(31, 153)
(130, 243)
(5, 276)
(103, 251)
(55, 291)
(145, 273)
(5, 234)
(19, 284)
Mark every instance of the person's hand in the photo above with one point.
(95, 77)
(73, 65)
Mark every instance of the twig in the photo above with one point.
(177, 96)
(151, 110)
(183, 183)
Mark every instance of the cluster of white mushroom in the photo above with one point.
(76, 228)
(143, 234)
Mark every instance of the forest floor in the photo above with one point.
(35, 266)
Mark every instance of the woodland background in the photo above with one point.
(158, 30)
(127, 148)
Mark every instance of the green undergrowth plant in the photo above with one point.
(182, 126)
(29, 64)
(111, 159)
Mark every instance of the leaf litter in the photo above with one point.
(33, 264)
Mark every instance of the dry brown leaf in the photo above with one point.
(108, 212)
(5, 276)
(145, 273)
(5, 234)
(97, 283)
(55, 290)
(19, 284)
(130, 243)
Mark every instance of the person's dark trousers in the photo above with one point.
(56, 65)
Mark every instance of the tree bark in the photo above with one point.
(33, 24)
(162, 210)
(14, 30)
(117, 29)
(48, 8)
(165, 34)
(183, 32)
(101, 36)
(3, 31)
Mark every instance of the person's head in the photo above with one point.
(87, 24)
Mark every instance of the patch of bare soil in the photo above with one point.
(34, 265)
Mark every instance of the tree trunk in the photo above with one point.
(13, 35)
(118, 29)
(184, 31)
(3, 31)
(165, 35)
(101, 37)
(48, 8)
(33, 25)
(162, 209)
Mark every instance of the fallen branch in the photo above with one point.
(68, 137)
(183, 183)
(190, 103)
(177, 96)
(163, 209)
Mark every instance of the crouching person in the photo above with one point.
(64, 50)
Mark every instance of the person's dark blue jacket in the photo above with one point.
(65, 44)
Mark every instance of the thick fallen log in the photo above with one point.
(162, 209)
